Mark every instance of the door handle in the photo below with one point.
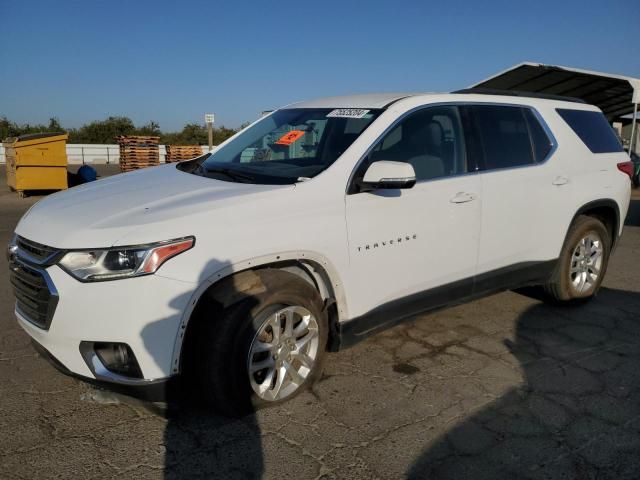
(561, 180)
(463, 197)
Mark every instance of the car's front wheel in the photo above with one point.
(263, 349)
(583, 261)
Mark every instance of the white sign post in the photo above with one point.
(209, 118)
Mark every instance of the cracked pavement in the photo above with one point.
(503, 387)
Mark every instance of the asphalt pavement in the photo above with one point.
(503, 387)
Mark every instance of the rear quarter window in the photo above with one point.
(593, 129)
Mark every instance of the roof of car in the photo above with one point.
(383, 100)
(367, 100)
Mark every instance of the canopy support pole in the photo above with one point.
(632, 141)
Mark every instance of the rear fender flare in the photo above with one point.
(603, 202)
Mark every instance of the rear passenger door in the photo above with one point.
(520, 186)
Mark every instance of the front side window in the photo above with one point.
(286, 147)
(503, 135)
(430, 139)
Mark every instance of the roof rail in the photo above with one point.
(518, 93)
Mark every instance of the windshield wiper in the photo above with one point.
(232, 174)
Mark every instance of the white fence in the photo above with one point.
(81, 153)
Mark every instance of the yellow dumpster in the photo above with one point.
(36, 161)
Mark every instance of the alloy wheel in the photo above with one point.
(586, 263)
(283, 352)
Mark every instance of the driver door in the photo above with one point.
(413, 249)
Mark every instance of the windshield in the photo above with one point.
(286, 147)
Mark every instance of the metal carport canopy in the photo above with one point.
(615, 95)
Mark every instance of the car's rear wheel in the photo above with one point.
(263, 349)
(582, 263)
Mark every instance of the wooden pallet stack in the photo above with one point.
(177, 153)
(138, 152)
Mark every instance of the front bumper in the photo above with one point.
(143, 312)
(151, 390)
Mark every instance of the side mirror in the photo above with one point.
(385, 174)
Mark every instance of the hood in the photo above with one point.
(99, 214)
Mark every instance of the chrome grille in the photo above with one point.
(34, 251)
(36, 296)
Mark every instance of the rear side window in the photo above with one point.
(593, 129)
(503, 135)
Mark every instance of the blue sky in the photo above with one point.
(173, 61)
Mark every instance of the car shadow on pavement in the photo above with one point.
(633, 215)
(198, 442)
(202, 444)
(577, 415)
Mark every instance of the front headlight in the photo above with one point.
(122, 262)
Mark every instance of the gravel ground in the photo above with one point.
(504, 387)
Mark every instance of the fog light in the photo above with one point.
(118, 358)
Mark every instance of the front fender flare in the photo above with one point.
(247, 284)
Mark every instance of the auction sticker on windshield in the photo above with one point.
(290, 137)
(347, 113)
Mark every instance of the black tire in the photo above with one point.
(560, 288)
(224, 339)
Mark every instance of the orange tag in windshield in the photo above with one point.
(290, 137)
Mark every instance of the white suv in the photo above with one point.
(321, 223)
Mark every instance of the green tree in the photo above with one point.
(54, 125)
(7, 128)
(103, 131)
(152, 128)
(221, 134)
(107, 131)
(196, 134)
(12, 129)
